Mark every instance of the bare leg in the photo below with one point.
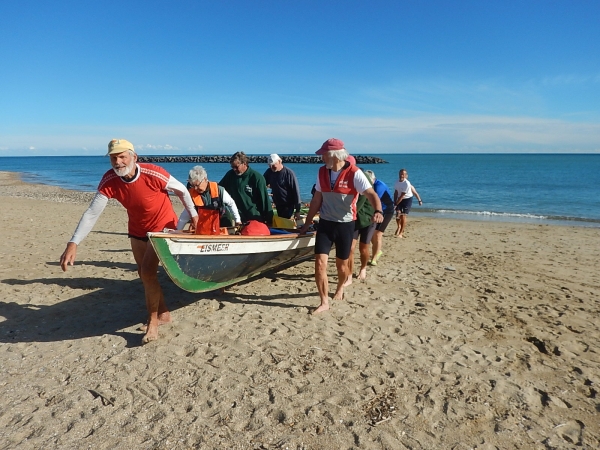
(348, 281)
(364, 259)
(155, 303)
(377, 242)
(398, 223)
(343, 272)
(402, 225)
(322, 282)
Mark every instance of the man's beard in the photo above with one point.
(124, 171)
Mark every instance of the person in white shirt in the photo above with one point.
(403, 196)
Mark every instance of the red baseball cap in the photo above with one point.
(330, 144)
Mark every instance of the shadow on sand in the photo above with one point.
(112, 307)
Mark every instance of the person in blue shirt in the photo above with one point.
(387, 203)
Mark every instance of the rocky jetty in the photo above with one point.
(360, 159)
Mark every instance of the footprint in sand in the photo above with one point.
(571, 431)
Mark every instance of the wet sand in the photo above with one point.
(465, 335)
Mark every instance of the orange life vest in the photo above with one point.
(209, 215)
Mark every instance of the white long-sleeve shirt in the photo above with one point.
(99, 202)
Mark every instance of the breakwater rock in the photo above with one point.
(360, 159)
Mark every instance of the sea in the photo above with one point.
(533, 188)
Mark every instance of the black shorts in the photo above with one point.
(386, 220)
(365, 234)
(145, 238)
(338, 233)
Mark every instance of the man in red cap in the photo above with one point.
(338, 185)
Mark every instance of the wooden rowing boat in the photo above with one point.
(199, 263)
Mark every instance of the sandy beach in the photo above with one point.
(466, 335)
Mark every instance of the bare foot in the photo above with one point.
(163, 319)
(362, 275)
(322, 308)
(339, 296)
(348, 281)
(151, 335)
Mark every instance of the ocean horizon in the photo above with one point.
(544, 188)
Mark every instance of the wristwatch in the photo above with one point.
(377, 211)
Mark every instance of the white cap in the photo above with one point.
(273, 158)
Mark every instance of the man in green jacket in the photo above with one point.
(248, 189)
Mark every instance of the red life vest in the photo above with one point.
(344, 183)
(209, 215)
(339, 200)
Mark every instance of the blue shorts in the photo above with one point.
(338, 233)
(404, 206)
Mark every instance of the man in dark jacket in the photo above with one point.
(248, 189)
(284, 186)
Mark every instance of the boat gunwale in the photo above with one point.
(227, 237)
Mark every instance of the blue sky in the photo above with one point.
(215, 77)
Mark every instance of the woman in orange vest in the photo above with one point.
(211, 201)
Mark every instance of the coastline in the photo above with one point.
(12, 185)
(72, 195)
(467, 334)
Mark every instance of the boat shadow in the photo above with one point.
(260, 300)
(113, 233)
(110, 306)
(104, 264)
(291, 277)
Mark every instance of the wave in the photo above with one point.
(493, 215)
(488, 213)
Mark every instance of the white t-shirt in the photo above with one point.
(403, 186)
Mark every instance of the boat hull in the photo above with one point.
(198, 263)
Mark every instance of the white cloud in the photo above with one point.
(153, 147)
(431, 133)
